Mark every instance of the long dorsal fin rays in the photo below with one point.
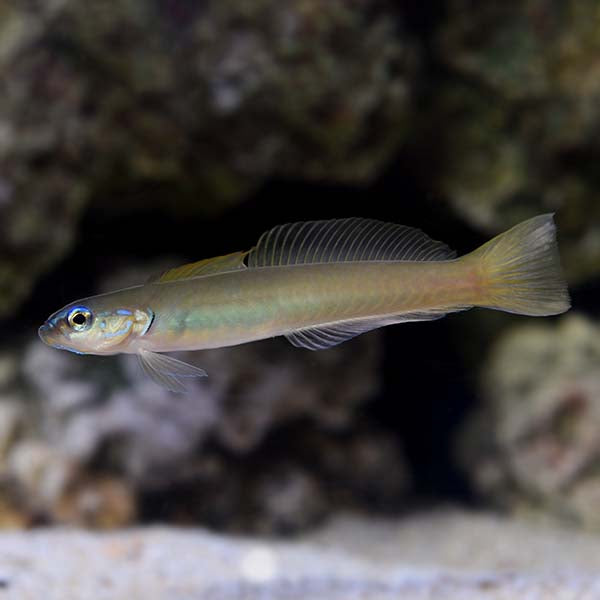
(320, 338)
(344, 240)
(208, 266)
(338, 240)
(166, 371)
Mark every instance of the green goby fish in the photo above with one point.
(317, 283)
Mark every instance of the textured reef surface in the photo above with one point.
(534, 444)
(188, 106)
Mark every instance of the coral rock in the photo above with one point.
(535, 442)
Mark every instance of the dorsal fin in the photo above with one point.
(208, 266)
(344, 240)
(309, 242)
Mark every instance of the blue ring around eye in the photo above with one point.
(86, 312)
(83, 309)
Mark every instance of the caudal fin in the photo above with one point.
(521, 270)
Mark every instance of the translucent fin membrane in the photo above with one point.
(208, 266)
(319, 338)
(344, 240)
(521, 270)
(166, 371)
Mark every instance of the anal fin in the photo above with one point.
(327, 336)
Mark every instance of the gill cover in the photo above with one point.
(112, 329)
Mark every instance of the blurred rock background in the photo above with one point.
(136, 133)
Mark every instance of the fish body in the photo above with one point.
(248, 305)
(317, 283)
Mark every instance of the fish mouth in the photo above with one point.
(48, 334)
(44, 333)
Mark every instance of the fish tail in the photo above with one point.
(520, 270)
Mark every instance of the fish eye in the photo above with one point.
(79, 318)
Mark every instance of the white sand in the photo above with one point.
(444, 555)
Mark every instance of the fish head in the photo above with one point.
(90, 327)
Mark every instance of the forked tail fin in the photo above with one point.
(521, 272)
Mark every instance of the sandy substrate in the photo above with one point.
(447, 555)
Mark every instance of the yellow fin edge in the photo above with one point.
(208, 266)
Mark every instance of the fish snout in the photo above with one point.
(47, 333)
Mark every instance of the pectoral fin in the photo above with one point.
(167, 371)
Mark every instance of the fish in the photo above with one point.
(318, 283)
